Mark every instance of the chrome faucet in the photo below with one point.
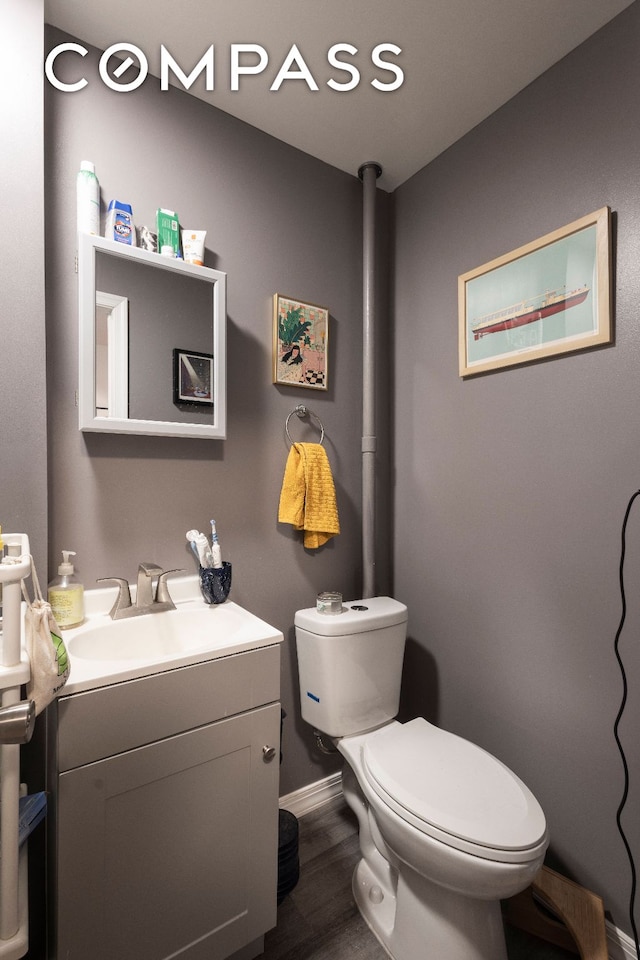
(144, 590)
(146, 601)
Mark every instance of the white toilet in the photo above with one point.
(446, 830)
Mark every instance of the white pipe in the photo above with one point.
(368, 173)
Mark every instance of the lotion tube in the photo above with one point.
(193, 246)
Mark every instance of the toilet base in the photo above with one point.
(376, 905)
(413, 923)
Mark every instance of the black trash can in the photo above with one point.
(288, 862)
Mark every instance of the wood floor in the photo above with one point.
(319, 920)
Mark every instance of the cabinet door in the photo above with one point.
(171, 849)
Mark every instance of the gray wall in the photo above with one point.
(23, 425)
(511, 487)
(277, 221)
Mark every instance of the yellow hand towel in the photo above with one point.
(308, 496)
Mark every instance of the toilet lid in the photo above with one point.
(456, 787)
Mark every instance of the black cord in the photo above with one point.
(625, 792)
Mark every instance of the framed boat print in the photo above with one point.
(300, 343)
(549, 297)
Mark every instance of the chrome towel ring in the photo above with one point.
(302, 411)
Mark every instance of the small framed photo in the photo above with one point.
(193, 378)
(547, 298)
(300, 343)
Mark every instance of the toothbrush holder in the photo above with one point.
(215, 583)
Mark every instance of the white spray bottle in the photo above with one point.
(88, 199)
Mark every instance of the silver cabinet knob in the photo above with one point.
(268, 753)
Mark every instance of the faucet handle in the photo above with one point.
(162, 590)
(123, 600)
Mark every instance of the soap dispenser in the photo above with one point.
(66, 595)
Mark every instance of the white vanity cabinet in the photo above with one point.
(166, 813)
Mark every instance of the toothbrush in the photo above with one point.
(216, 549)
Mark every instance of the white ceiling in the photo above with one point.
(461, 60)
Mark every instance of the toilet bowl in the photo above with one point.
(456, 846)
(446, 830)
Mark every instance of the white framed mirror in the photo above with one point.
(152, 343)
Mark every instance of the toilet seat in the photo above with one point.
(454, 791)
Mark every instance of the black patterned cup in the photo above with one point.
(215, 583)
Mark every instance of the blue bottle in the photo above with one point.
(119, 225)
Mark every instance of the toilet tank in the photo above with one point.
(350, 665)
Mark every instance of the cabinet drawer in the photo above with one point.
(100, 723)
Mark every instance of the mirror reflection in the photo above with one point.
(112, 355)
(151, 343)
(166, 311)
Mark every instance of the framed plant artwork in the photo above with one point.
(300, 343)
(193, 378)
(547, 298)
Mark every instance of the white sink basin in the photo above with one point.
(161, 635)
(104, 651)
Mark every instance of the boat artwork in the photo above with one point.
(527, 311)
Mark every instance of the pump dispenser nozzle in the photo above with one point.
(65, 569)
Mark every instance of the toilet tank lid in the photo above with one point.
(357, 616)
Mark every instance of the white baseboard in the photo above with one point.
(620, 946)
(315, 795)
(312, 796)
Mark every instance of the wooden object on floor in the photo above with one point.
(580, 927)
